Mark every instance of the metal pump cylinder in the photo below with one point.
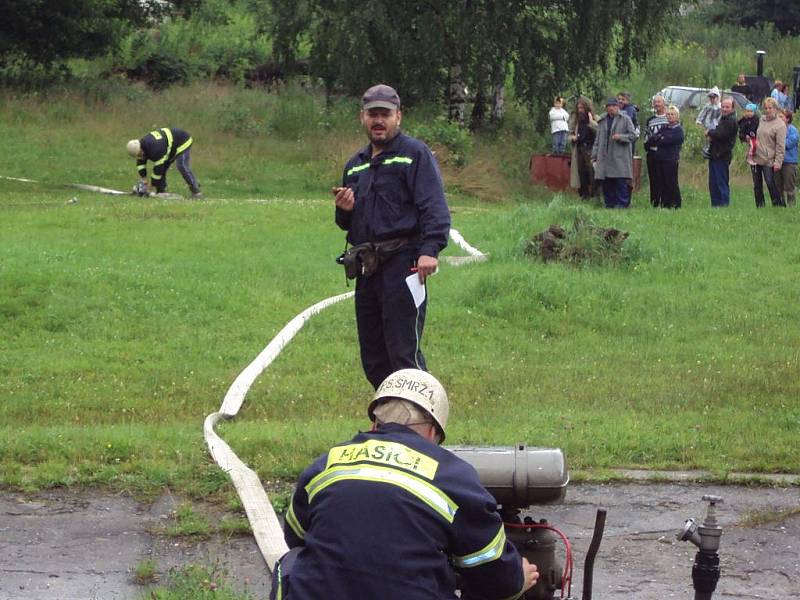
(519, 476)
(760, 62)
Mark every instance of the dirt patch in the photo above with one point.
(70, 546)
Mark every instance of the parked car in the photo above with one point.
(693, 97)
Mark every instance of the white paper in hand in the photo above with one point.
(416, 288)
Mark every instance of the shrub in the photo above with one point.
(441, 132)
(222, 40)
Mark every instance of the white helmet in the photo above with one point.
(418, 387)
(133, 148)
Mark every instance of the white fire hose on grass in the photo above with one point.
(263, 520)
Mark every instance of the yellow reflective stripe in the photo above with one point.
(154, 176)
(164, 158)
(141, 168)
(291, 519)
(183, 146)
(398, 159)
(430, 495)
(358, 168)
(492, 551)
(392, 454)
(156, 134)
(280, 582)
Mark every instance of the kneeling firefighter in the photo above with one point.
(163, 147)
(390, 514)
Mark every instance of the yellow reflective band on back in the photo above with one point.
(279, 574)
(156, 134)
(291, 519)
(141, 168)
(358, 168)
(164, 158)
(430, 495)
(492, 551)
(398, 159)
(389, 453)
(184, 146)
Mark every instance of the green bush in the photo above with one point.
(221, 41)
(441, 132)
(239, 119)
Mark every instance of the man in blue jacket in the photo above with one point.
(390, 514)
(392, 205)
(163, 147)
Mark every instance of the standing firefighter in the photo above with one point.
(393, 208)
(163, 147)
(392, 515)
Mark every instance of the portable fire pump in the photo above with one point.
(521, 477)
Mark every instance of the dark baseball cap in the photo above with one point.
(612, 102)
(380, 96)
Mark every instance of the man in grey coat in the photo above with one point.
(611, 155)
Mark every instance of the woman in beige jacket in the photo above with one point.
(770, 148)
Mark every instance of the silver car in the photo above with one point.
(694, 97)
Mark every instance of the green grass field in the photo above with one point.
(125, 320)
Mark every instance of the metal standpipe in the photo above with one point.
(706, 569)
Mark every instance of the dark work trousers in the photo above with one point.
(768, 176)
(389, 325)
(655, 182)
(182, 161)
(281, 576)
(585, 170)
(616, 192)
(667, 174)
(718, 186)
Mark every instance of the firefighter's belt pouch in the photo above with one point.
(364, 259)
(360, 260)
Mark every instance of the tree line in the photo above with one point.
(444, 51)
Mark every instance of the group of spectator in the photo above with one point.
(603, 147)
(771, 146)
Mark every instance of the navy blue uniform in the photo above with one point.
(398, 194)
(664, 150)
(162, 147)
(391, 515)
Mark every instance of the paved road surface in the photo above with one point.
(85, 545)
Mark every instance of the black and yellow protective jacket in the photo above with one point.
(161, 146)
(390, 515)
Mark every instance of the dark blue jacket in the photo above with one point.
(630, 110)
(748, 127)
(398, 193)
(666, 143)
(389, 515)
(161, 146)
(723, 138)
